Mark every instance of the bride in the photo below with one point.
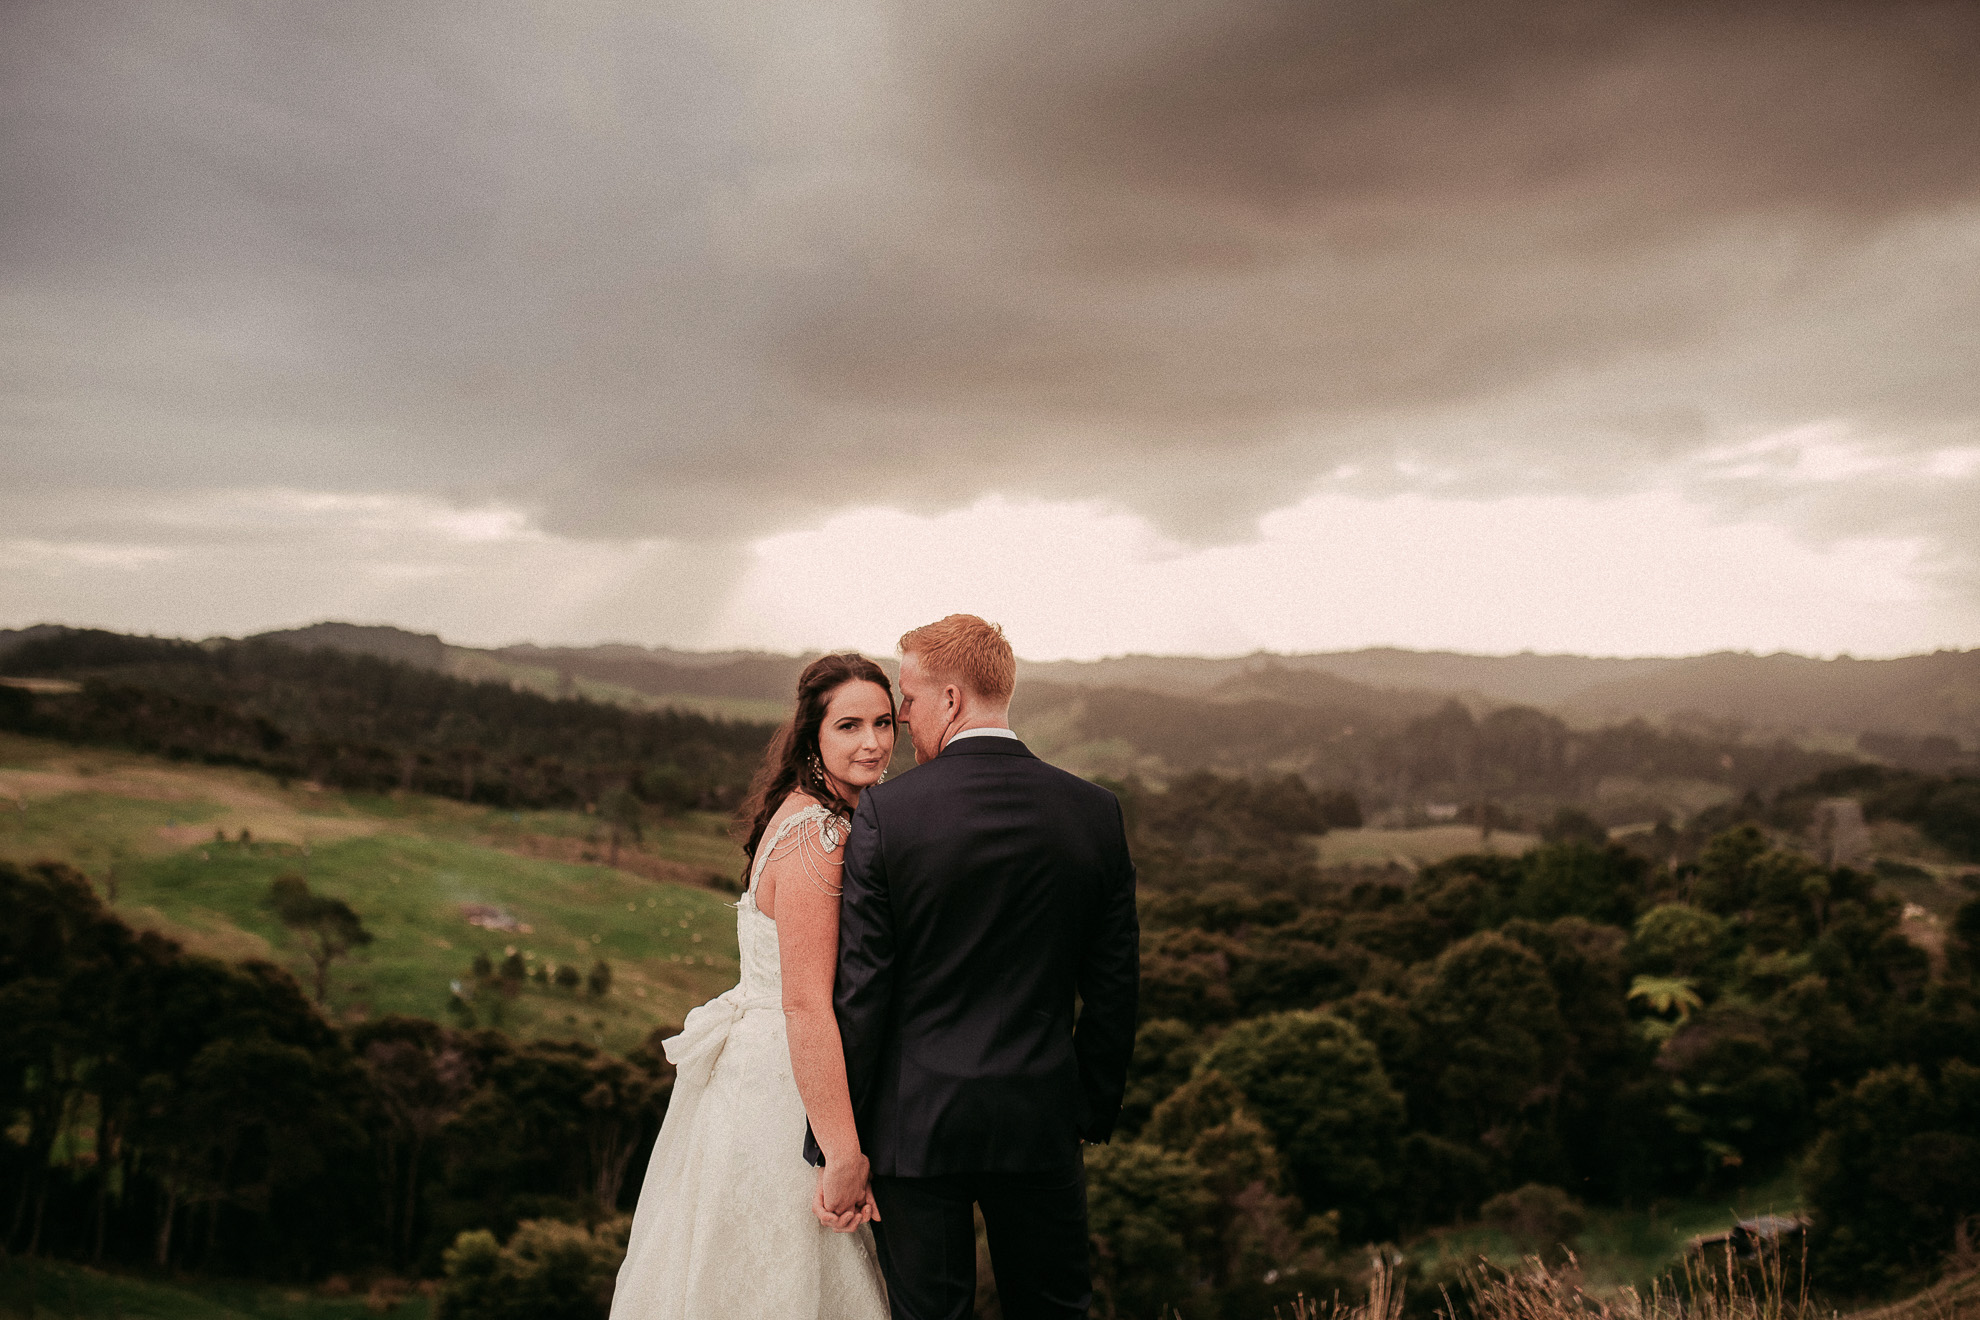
(725, 1228)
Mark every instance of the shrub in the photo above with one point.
(548, 1271)
(1544, 1221)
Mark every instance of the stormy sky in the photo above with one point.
(1644, 326)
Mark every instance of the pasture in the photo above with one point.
(191, 851)
(1415, 848)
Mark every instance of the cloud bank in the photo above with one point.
(702, 276)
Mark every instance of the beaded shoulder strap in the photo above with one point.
(789, 839)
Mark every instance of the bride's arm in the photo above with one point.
(807, 898)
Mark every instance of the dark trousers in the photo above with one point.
(1037, 1227)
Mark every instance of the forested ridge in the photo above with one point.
(371, 724)
(1407, 750)
(373, 709)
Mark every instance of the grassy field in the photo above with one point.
(57, 1290)
(1414, 848)
(163, 844)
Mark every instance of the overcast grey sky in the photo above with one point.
(1609, 325)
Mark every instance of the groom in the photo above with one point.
(985, 894)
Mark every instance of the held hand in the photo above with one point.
(844, 1223)
(844, 1194)
(843, 1183)
(864, 1213)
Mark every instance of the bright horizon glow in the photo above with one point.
(1647, 573)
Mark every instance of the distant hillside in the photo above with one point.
(1937, 694)
(381, 640)
(736, 685)
(1399, 753)
(1526, 679)
(1628, 738)
(1921, 695)
(1319, 690)
(1914, 697)
(12, 637)
(662, 673)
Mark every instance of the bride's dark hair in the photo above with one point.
(792, 763)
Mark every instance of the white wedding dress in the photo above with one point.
(724, 1228)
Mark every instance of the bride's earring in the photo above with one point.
(818, 766)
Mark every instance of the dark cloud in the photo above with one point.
(1296, 109)
(1201, 214)
(706, 270)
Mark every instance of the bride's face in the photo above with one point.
(856, 740)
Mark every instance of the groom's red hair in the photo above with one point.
(964, 650)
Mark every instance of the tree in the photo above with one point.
(1667, 995)
(1320, 1090)
(1185, 975)
(1893, 1174)
(248, 1117)
(50, 919)
(1573, 825)
(1963, 948)
(551, 1129)
(1676, 939)
(1165, 1053)
(1725, 881)
(328, 926)
(1260, 1231)
(1952, 818)
(420, 1077)
(1150, 1217)
(1491, 1005)
(620, 811)
(1574, 878)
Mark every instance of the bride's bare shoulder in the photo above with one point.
(795, 801)
(792, 804)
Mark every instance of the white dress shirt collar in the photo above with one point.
(981, 733)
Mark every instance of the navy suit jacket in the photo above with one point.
(988, 964)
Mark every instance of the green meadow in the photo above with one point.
(191, 852)
(1417, 847)
(59, 1290)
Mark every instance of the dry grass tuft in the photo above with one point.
(1710, 1288)
(1385, 1300)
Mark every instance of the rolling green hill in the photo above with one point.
(165, 842)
